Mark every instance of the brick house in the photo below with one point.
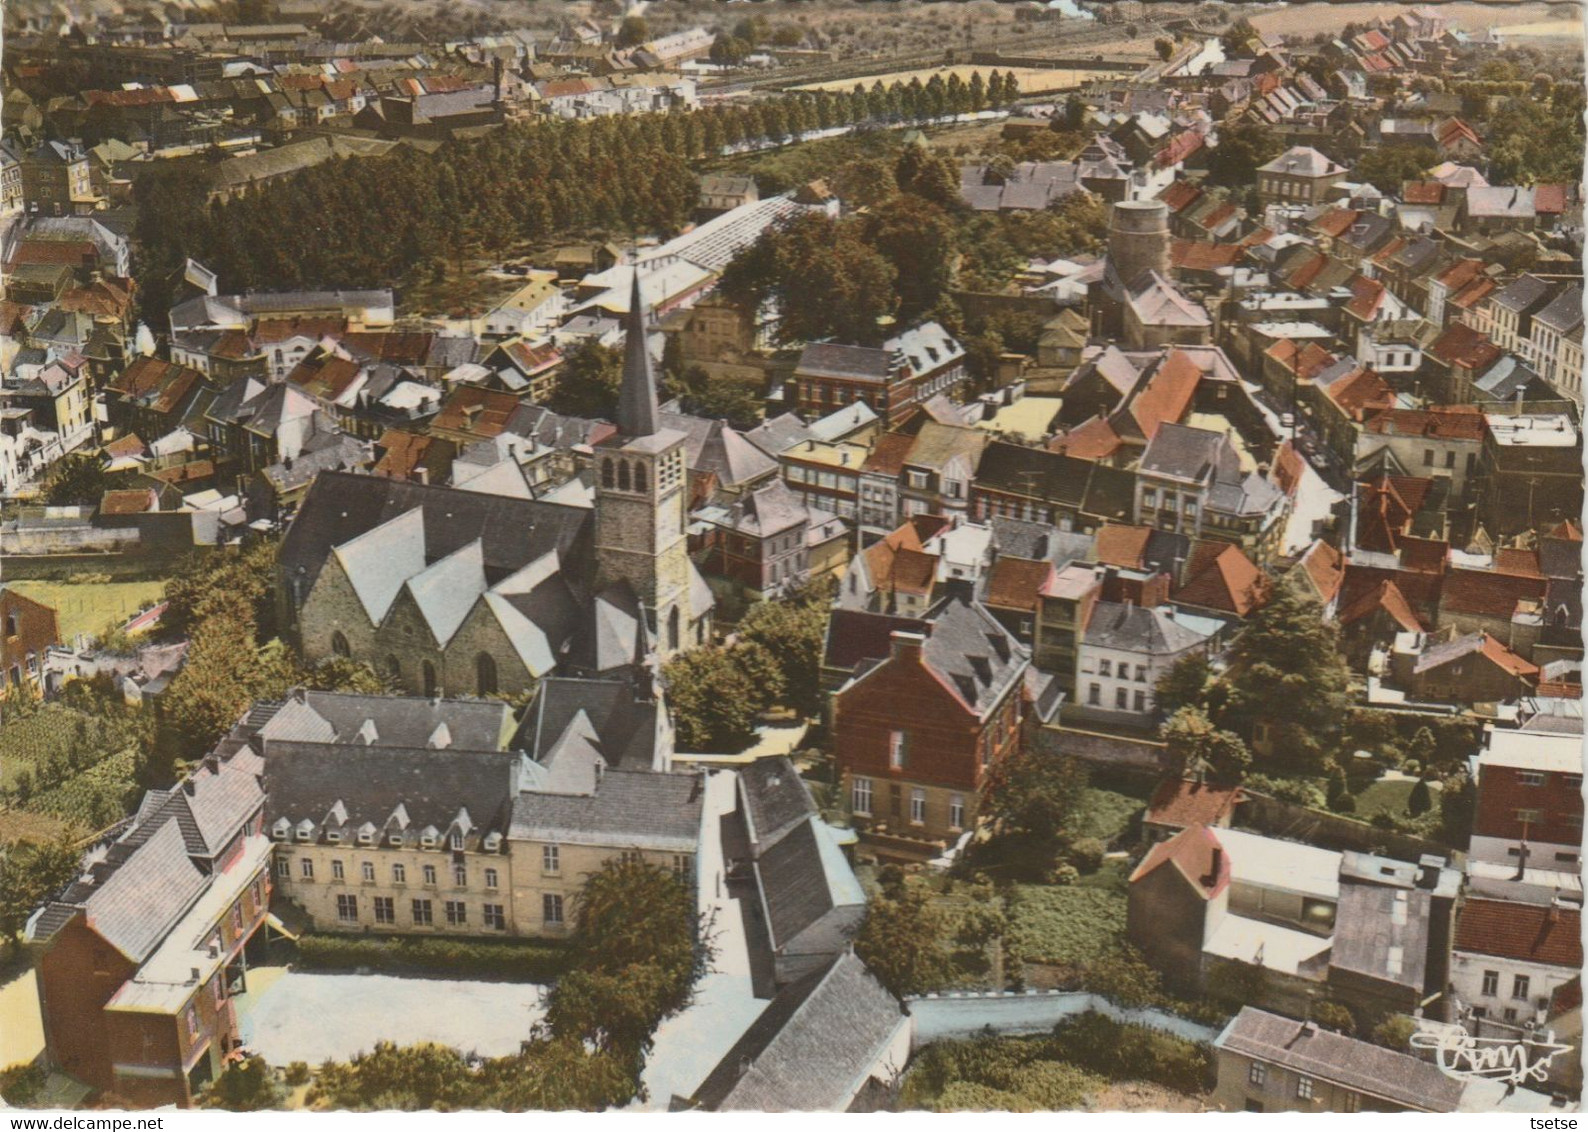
(918, 734)
(1300, 175)
(1510, 958)
(1471, 669)
(892, 379)
(27, 628)
(139, 962)
(1530, 804)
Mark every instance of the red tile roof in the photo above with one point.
(1016, 583)
(1222, 577)
(1461, 345)
(1118, 544)
(1094, 439)
(1167, 394)
(1549, 199)
(1289, 468)
(1473, 293)
(1184, 802)
(1336, 222)
(1386, 596)
(1359, 392)
(132, 502)
(1460, 273)
(1367, 295)
(1325, 568)
(1313, 357)
(1567, 529)
(889, 454)
(1535, 932)
(1192, 853)
(1515, 560)
(1179, 194)
(1487, 593)
(1199, 255)
(1423, 555)
(1423, 192)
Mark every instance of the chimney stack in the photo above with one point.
(905, 643)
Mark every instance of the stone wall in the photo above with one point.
(1011, 1013)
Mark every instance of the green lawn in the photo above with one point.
(1389, 798)
(1069, 924)
(1105, 814)
(91, 608)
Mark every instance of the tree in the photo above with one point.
(920, 241)
(1241, 149)
(1125, 979)
(1184, 684)
(729, 50)
(793, 632)
(1387, 166)
(713, 699)
(422, 1077)
(1285, 671)
(633, 31)
(1164, 46)
(1458, 799)
(1195, 745)
(1420, 800)
(29, 874)
(1395, 1032)
(1236, 38)
(588, 383)
(900, 942)
(75, 480)
(244, 1086)
(1031, 798)
(736, 400)
(1334, 1016)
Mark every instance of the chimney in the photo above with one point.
(193, 975)
(188, 787)
(907, 644)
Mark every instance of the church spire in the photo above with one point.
(637, 409)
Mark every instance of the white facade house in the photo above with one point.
(1123, 653)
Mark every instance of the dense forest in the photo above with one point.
(397, 220)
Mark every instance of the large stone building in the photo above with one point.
(446, 590)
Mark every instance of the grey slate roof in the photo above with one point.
(974, 654)
(856, 363)
(1564, 312)
(779, 434)
(639, 808)
(1186, 453)
(1134, 629)
(1522, 293)
(1357, 1065)
(142, 899)
(774, 797)
(1017, 538)
(625, 723)
(304, 781)
(801, 882)
(1382, 932)
(339, 506)
(408, 721)
(812, 1047)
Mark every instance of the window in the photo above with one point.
(491, 878)
(1094, 695)
(347, 908)
(1529, 815)
(422, 917)
(192, 1021)
(1510, 1014)
(460, 875)
(336, 870)
(1574, 782)
(495, 918)
(284, 868)
(220, 992)
(1428, 457)
(1105, 667)
(860, 797)
(1304, 1088)
(629, 856)
(428, 676)
(1450, 459)
(1530, 778)
(457, 914)
(917, 806)
(385, 910)
(399, 874)
(1121, 699)
(623, 475)
(1491, 983)
(896, 745)
(1141, 673)
(485, 674)
(1257, 1074)
(551, 908)
(306, 868)
(1351, 1102)
(259, 894)
(339, 644)
(683, 865)
(430, 874)
(1519, 987)
(1149, 497)
(550, 860)
(956, 811)
(1139, 702)
(367, 870)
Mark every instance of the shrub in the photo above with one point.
(20, 1085)
(1087, 854)
(1335, 1016)
(1395, 1032)
(297, 1074)
(1123, 1051)
(1064, 875)
(526, 960)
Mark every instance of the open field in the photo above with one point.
(1032, 80)
(1307, 18)
(91, 608)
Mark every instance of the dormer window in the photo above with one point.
(334, 836)
(493, 841)
(366, 834)
(457, 841)
(305, 830)
(427, 841)
(281, 829)
(395, 839)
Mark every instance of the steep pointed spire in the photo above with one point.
(637, 407)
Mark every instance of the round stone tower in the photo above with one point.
(1138, 238)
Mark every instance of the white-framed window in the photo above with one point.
(1105, 667)
(347, 908)
(306, 868)
(1520, 985)
(492, 878)
(457, 914)
(917, 806)
(1530, 778)
(422, 914)
(860, 796)
(1257, 1073)
(1351, 1102)
(683, 865)
(1491, 984)
(551, 908)
(385, 910)
(550, 860)
(1304, 1088)
(430, 874)
(630, 856)
(897, 742)
(399, 874)
(956, 811)
(283, 868)
(457, 842)
(1121, 699)
(495, 917)
(336, 870)
(367, 870)
(1094, 695)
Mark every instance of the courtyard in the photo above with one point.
(292, 1016)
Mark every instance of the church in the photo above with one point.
(447, 591)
